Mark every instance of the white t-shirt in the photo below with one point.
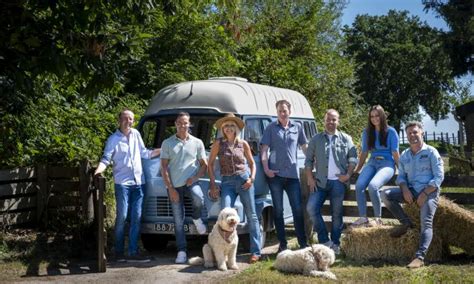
(333, 170)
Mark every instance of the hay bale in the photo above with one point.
(454, 224)
(376, 244)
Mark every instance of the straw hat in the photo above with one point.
(230, 117)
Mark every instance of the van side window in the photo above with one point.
(307, 130)
(253, 133)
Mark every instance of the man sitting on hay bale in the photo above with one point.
(419, 179)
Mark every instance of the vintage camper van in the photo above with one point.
(206, 101)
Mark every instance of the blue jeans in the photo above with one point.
(375, 174)
(335, 191)
(128, 196)
(195, 193)
(393, 197)
(231, 186)
(292, 187)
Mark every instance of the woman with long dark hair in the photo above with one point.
(381, 141)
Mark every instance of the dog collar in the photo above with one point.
(226, 234)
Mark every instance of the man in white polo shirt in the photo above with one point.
(183, 162)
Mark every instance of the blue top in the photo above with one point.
(379, 150)
(343, 150)
(126, 155)
(421, 169)
(283, 144)
(183, 156)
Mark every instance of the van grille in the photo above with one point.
(160, 206)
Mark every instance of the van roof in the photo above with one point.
(225, 95)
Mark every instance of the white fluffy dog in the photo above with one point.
(221, 247)
(311, 261)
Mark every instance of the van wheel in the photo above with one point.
(154, 242)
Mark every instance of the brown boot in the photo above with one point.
(415, 263)
(401, 230)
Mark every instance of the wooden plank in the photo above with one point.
(56, 201)
(18, 188)
(352, 211)
(17, 174)
(62, 172)
(459, 198)
(449, 181)
(18, 218)
(12, 204)
(460, 181)
(58, 186)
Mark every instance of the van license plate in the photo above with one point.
(169, 227)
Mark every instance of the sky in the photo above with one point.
(414, 7)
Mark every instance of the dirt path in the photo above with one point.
(161, 269)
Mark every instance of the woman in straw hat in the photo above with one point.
(234, 153)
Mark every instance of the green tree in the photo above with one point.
(401, 64)
(459, 40)
(296, 45)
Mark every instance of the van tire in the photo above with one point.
(154, 242)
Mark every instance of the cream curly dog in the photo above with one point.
(311, 261)
(221, 247)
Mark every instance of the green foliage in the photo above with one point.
(296, 45)
(68, 67)
(401, 64)
(459, 39)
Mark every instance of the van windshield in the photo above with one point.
(156, 129)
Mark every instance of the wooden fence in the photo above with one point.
(36, 196)
(452, 138)
(351, 212)
(31, 196)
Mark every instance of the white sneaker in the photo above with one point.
(200, 227)
(181, 258)
(329, 244)
(361, 222)
(336, 249)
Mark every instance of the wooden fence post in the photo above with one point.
(308, 225)
(42, 196)
(84, 186)
(99, 182)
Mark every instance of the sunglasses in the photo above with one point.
(229, 126)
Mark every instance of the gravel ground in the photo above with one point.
(161, 269)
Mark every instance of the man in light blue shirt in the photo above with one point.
(183, 162)
(420, 176)
(125, 149)
(282, 137)
(335, 157)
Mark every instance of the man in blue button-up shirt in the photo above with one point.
(420, 174)
(283, 137)
(335, 157)
(125, 149)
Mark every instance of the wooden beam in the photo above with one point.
(18, 174)
(18, 188)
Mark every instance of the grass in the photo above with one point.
(350, 271)
(459, 268)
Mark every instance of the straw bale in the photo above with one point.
(376, 244)
(454, 224)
